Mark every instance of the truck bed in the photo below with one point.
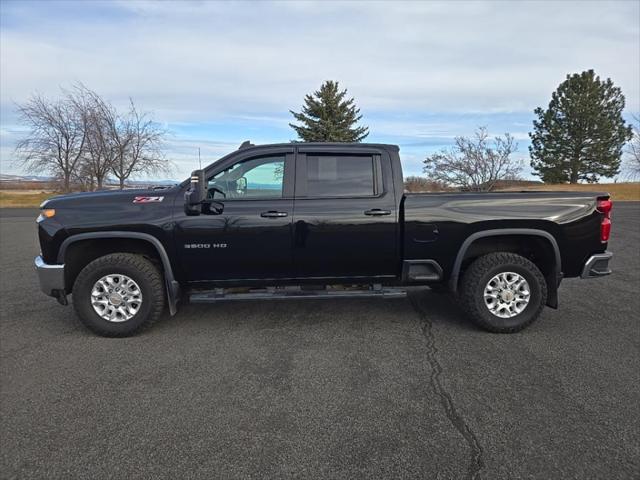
(437, 224)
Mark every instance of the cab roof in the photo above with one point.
(247, 144)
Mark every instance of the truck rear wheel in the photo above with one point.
(503, 292)
(119, 294)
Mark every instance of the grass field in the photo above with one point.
(23, 198)
(619, 192)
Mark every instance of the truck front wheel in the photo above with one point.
(119, 294)
(503, 292)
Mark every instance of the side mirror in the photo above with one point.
(196, 194)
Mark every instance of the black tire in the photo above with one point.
(481, 271)
(141, 271)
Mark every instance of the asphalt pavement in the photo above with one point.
(351, 388)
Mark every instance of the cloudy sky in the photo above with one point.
(218, 73)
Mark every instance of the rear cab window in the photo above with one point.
(338, 175)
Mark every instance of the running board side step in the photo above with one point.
(288, 293)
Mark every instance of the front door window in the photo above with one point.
(256, 178)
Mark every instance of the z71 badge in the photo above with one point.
(147, 199)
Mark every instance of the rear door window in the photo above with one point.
(330, 175)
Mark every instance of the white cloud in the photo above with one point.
(251, 62)
(252, 57)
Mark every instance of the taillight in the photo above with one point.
(605, 206)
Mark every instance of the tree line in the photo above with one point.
(83, 140)
(580, 136)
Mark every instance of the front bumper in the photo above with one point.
(597, 265)
(51, 277)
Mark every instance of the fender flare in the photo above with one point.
(553, 284)
(173, 287)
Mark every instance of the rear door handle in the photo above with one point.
(273, 214)
(376, 212)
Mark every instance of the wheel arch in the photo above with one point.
(552, 276)
(151, 243)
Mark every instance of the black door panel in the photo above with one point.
(334, 238)
(252, 238)
(241, 243)
(345, 236)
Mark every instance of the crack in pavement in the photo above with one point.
(477, 461)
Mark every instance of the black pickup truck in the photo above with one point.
(314, 220)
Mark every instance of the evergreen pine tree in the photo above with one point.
(327, 117)
(581, 134)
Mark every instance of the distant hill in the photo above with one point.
(20, 178)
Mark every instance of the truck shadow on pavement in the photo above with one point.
(423, 302)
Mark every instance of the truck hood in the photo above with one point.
(110, 197)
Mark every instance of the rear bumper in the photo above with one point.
(597, 265)
(51, 277)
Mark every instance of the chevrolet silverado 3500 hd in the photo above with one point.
(314, 220)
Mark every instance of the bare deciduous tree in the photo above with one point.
(474, 163)
(632, 163)
(82, 138)
(415, 184)
(99, 152)
(56, 139)
(83, 178)
(138, 142)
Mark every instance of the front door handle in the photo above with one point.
(273, 214)
(376, 212)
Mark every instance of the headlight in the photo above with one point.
(46, 213)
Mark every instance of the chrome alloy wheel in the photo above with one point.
(507, 294)
(116, 298)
